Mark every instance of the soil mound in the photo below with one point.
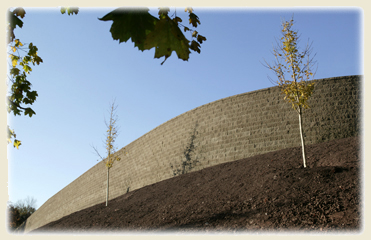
(268, 192)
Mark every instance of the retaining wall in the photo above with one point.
(229, 129)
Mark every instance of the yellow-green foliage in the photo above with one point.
(110, 140)
(290, 68)
(111, 137)
(11, 134)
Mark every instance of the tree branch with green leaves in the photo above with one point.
(162, 33)
(20, 56)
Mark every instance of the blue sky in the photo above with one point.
(84, 69)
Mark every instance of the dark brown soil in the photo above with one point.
(269, 192)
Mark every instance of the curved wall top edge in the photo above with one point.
(240, 94)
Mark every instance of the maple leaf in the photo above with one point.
(37, 60)
(14, 60)
(193, 19)
(166, 38)
(29, 112)
(32, 96)
(16, 143)
(131, 23)
(147, 31)
(14, 71)
(200, 38)
(195, 46)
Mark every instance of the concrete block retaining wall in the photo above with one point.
(229, 129)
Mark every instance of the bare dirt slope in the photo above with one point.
(269, 192)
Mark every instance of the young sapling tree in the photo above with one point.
(109, 144)
(293, 70)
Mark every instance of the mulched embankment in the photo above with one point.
(269, 192)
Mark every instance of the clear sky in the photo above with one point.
(84, 69)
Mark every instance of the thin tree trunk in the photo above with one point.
(302, 136)
(107, 193)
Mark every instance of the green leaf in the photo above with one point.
(195, 46)
(32, 50)
(193, 19)
(131, 23)
(32, 95)
(14, 71)
(27, 68)
(26, 59)
(37, 60)
(166, 38)
(200, 38)
(29, 112)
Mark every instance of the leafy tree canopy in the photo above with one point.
(20, 211)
